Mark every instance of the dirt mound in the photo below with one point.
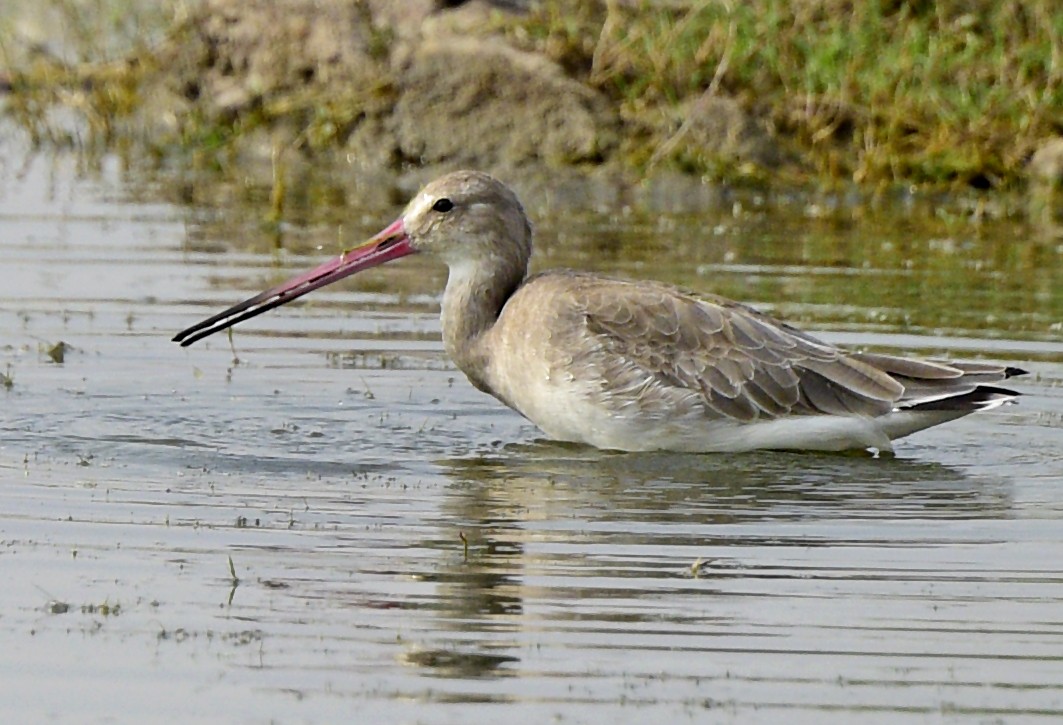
(235, 56)
(471, 100)
(388, 87)
(716, 129)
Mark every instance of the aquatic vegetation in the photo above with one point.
(234, 582)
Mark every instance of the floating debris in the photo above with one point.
(106, 609)
(57, 352)
(57, 607)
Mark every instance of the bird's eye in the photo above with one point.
(443, 205)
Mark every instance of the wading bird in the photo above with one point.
(638, 365)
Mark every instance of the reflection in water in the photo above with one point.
(483, 591)
(604, 521)
(449, 663)
(648, 487)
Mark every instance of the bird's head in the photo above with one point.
(463, 218)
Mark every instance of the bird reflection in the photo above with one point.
(669, 487)
(577, 528)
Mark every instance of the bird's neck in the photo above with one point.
(474, 297)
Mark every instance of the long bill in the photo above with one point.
(389, 244)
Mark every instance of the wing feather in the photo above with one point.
(664, 352)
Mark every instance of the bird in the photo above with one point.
(636, 365)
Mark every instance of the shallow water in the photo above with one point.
(343, 466)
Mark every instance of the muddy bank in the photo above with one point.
(418, 84)
(421, 84)
(517, 87)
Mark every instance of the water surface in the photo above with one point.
(408, 550)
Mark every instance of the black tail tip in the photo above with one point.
(1013, 372)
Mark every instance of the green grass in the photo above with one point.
(952, 91)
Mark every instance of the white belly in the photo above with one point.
(566, 412)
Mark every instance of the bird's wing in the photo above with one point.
(943, 384)
(654, 346)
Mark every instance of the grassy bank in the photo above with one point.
(954, 91)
